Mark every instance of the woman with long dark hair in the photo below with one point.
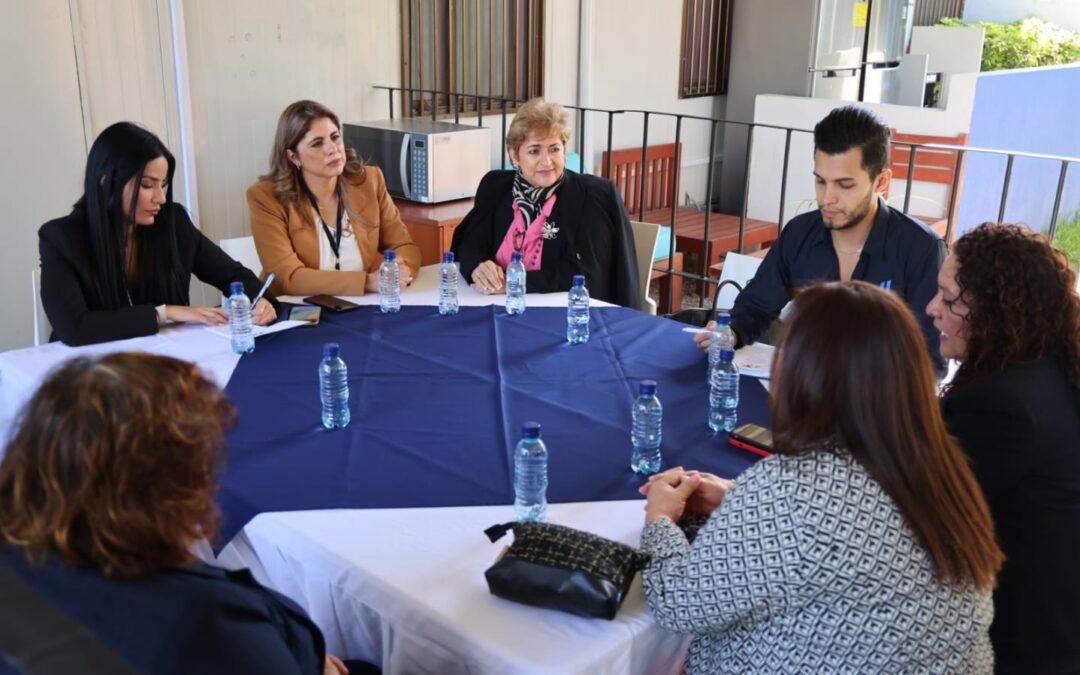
(120, 264)
(321, 218)
(864, 544)
(1008, 311)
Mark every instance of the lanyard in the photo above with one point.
(335, 241)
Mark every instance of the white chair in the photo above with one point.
(242, 250)
(42, 328)
(645, 236)
(740, 269)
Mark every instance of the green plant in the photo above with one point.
(1024, 44)
(1067, 236)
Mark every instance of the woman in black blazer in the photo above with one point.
(1007, 309)
(120, 264)
(562, 222)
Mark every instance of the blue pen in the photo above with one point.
(266, 285)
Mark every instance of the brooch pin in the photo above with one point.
(550, 231)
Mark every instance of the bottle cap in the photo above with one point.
(530, 430)
(723, 319)
(647, 387)
(579, 280)
(727, 355)
(236, 287)
(331, 349)
(448, 257)
(389, 254)
(517, 256)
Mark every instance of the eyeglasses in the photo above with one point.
(519, 239)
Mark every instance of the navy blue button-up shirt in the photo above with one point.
(900, 254)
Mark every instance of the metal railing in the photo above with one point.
(703, 279)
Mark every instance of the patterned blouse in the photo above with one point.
(808, 567)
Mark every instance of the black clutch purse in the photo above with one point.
(562, 568)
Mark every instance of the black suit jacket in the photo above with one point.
(76, 310)
(1021, 428)
(594, 237)
(194, 619)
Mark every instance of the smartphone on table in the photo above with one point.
(330, 302)
(751, 437)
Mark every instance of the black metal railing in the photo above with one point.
(702, 278)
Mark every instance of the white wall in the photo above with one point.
(44, 147)
(1065, 13)
(248, 59)
(803, 113)
(632, 62)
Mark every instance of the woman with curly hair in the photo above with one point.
(1007, 310)
(104, 487)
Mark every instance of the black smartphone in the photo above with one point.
(331, 303)
(756, 439)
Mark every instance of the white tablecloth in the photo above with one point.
(404, 587)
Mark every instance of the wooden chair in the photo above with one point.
(660, 193)
(932, 165)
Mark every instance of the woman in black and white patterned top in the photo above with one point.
(864, 545)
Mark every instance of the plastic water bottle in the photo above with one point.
(389, 283)
(448, 273)
(239, 310)
(722, 337)
(724, 392)
(515, 284)
(530, 475)
(577, 312)
(648, 415)
(334, 387)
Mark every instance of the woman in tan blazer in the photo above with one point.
(320, 218)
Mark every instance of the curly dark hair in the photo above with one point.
(112, 464)
(1022, 301)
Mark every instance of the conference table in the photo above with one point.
(377, 529)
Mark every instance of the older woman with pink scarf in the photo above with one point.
(563, 223)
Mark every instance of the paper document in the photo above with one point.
(755, 360)
(259, 331)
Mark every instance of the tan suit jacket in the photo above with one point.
(288, 245)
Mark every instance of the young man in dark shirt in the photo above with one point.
(852, 235)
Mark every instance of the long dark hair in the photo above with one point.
(853, 370)
(119, 156)
(1022, 302)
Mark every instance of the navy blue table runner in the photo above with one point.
(437, 406)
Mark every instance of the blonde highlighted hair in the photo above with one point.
(544, 118)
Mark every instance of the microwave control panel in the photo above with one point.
(419, 179)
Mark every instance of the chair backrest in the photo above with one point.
(242, 250)
(645, 236)
(661, 171)
(42, 328)
(932, 165)
(740, 269)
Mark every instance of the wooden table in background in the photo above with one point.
(432, 225)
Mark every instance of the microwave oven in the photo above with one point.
(424, 160)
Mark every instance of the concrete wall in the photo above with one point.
(803, 113)
(1030, 110)
(1065, 13)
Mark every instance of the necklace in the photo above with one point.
(855, 252)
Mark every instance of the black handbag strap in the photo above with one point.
(719, 287)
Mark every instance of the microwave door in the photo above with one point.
(405, 165)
